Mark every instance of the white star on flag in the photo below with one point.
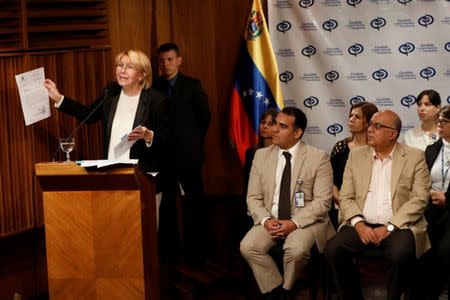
(250, 92)
(267, 101)
(259, 94)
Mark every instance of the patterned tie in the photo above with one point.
(284, 202)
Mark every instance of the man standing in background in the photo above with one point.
(189, 119)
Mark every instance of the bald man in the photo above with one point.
(384, 193)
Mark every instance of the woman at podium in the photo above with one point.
(133, 114)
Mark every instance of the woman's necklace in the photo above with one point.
(430, 137)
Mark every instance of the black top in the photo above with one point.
(338, 159)
(151, 113)
(431, 153)
(249, 155)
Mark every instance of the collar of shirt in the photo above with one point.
(292, 151)
(375, 155)
(173, 80)
(446, 145)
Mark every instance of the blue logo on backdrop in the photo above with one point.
(353, 2)
(427, 73)
(447, 46)
(356, 99)
(403, 1)
(286, 76)
(330, 25)
(378, 22)
(448, 99)
(380, 74)
(310, 102)
(309, 51)
(306, 3)
(334, 129)
(426, 20)
(408, 100)
(406, 48)
(284, 26)
(355, 49)
(332, 76)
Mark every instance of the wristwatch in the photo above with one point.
(390, 227)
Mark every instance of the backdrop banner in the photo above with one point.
(332, 54)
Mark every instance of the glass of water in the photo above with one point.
(67, 145)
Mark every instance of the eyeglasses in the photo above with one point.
(441, 122)
(379, 125)
(126, 67)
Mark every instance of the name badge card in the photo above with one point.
(299, 199)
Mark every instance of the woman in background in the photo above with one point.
(266, 126)
(358, 122)
(428, 104)
(438, 209)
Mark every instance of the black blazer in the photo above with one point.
(433, 213)
(151, 113)
(189, 119)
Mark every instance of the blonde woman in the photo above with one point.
(127, 106)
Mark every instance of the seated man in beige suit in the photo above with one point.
(289, 195)
(385, 190)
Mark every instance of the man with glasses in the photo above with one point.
(384, 193)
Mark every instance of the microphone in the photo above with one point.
(105, 95)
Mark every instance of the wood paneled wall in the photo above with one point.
(80, 74)
(209, 34)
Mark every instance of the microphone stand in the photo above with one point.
(105, 95)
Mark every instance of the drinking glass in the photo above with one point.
(67, 145)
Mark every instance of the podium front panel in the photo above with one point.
(100, 226)
(94, 245)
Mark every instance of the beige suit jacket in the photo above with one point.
(311, 175)
(410, 189)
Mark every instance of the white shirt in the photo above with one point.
(279, 173)
(418, 138)
(378, 205)
(122, 123)
(439, 183)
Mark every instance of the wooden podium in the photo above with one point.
(100, 230)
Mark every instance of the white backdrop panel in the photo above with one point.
(331, 53)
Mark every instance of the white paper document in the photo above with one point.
(33, 96)
(101, 163)
(124, 146)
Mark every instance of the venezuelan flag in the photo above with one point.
(256, 85)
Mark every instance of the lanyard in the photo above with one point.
(444, 175)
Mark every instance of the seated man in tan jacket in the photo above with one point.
(384, 193)
(289, 195)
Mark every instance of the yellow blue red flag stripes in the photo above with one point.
(256, 85)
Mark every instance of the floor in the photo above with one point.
(212, 282)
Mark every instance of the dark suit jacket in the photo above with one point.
(151, 113)
(189, 119)
(435, 215)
